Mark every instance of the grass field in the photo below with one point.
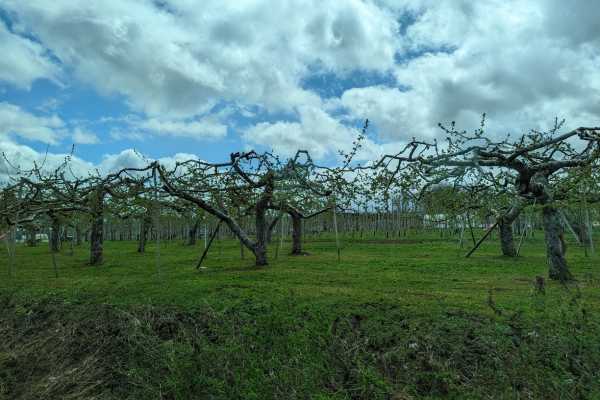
(404, 319)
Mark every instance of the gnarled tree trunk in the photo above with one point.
(97, 239)
(78, 235)
(507, 243)
(558, 268)
(296, 233)
(260, 247)
(262, 225)
(144, 229)
(97, 229)
(31, 236)
(505, 222)
(193, 233)
(55, 234)
(555, 248)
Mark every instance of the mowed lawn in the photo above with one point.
(392, 319)
(421, 272)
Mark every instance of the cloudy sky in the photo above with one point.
(176, 78)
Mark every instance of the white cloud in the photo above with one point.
(23, 61)
(82, 137)
(521, 62)
(20, 157)
(202, 129)
(49, 105)
(128, 158)
(18, 122)
(181, 59)
(136, 128)
(396, 115)
(315, 131)
(118, 133)
(17, 157)
(169, 162)
(503, 58)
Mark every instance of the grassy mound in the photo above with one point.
(51, 350)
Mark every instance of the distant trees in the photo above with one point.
(61, 193)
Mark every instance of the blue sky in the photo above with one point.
(168, 78)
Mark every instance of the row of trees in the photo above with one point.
(539, 167)
(470, 171)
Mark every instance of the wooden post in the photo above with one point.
(589, 226)
(214, 234)
(281, 231)
(462, 233)
(568, 224)
(487, 233)
(524, 231)
(471, 228)
(72, 237)
(205, 235)
(335, 228)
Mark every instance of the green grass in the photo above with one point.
(404, 319)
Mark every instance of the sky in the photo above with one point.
(180, 79)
